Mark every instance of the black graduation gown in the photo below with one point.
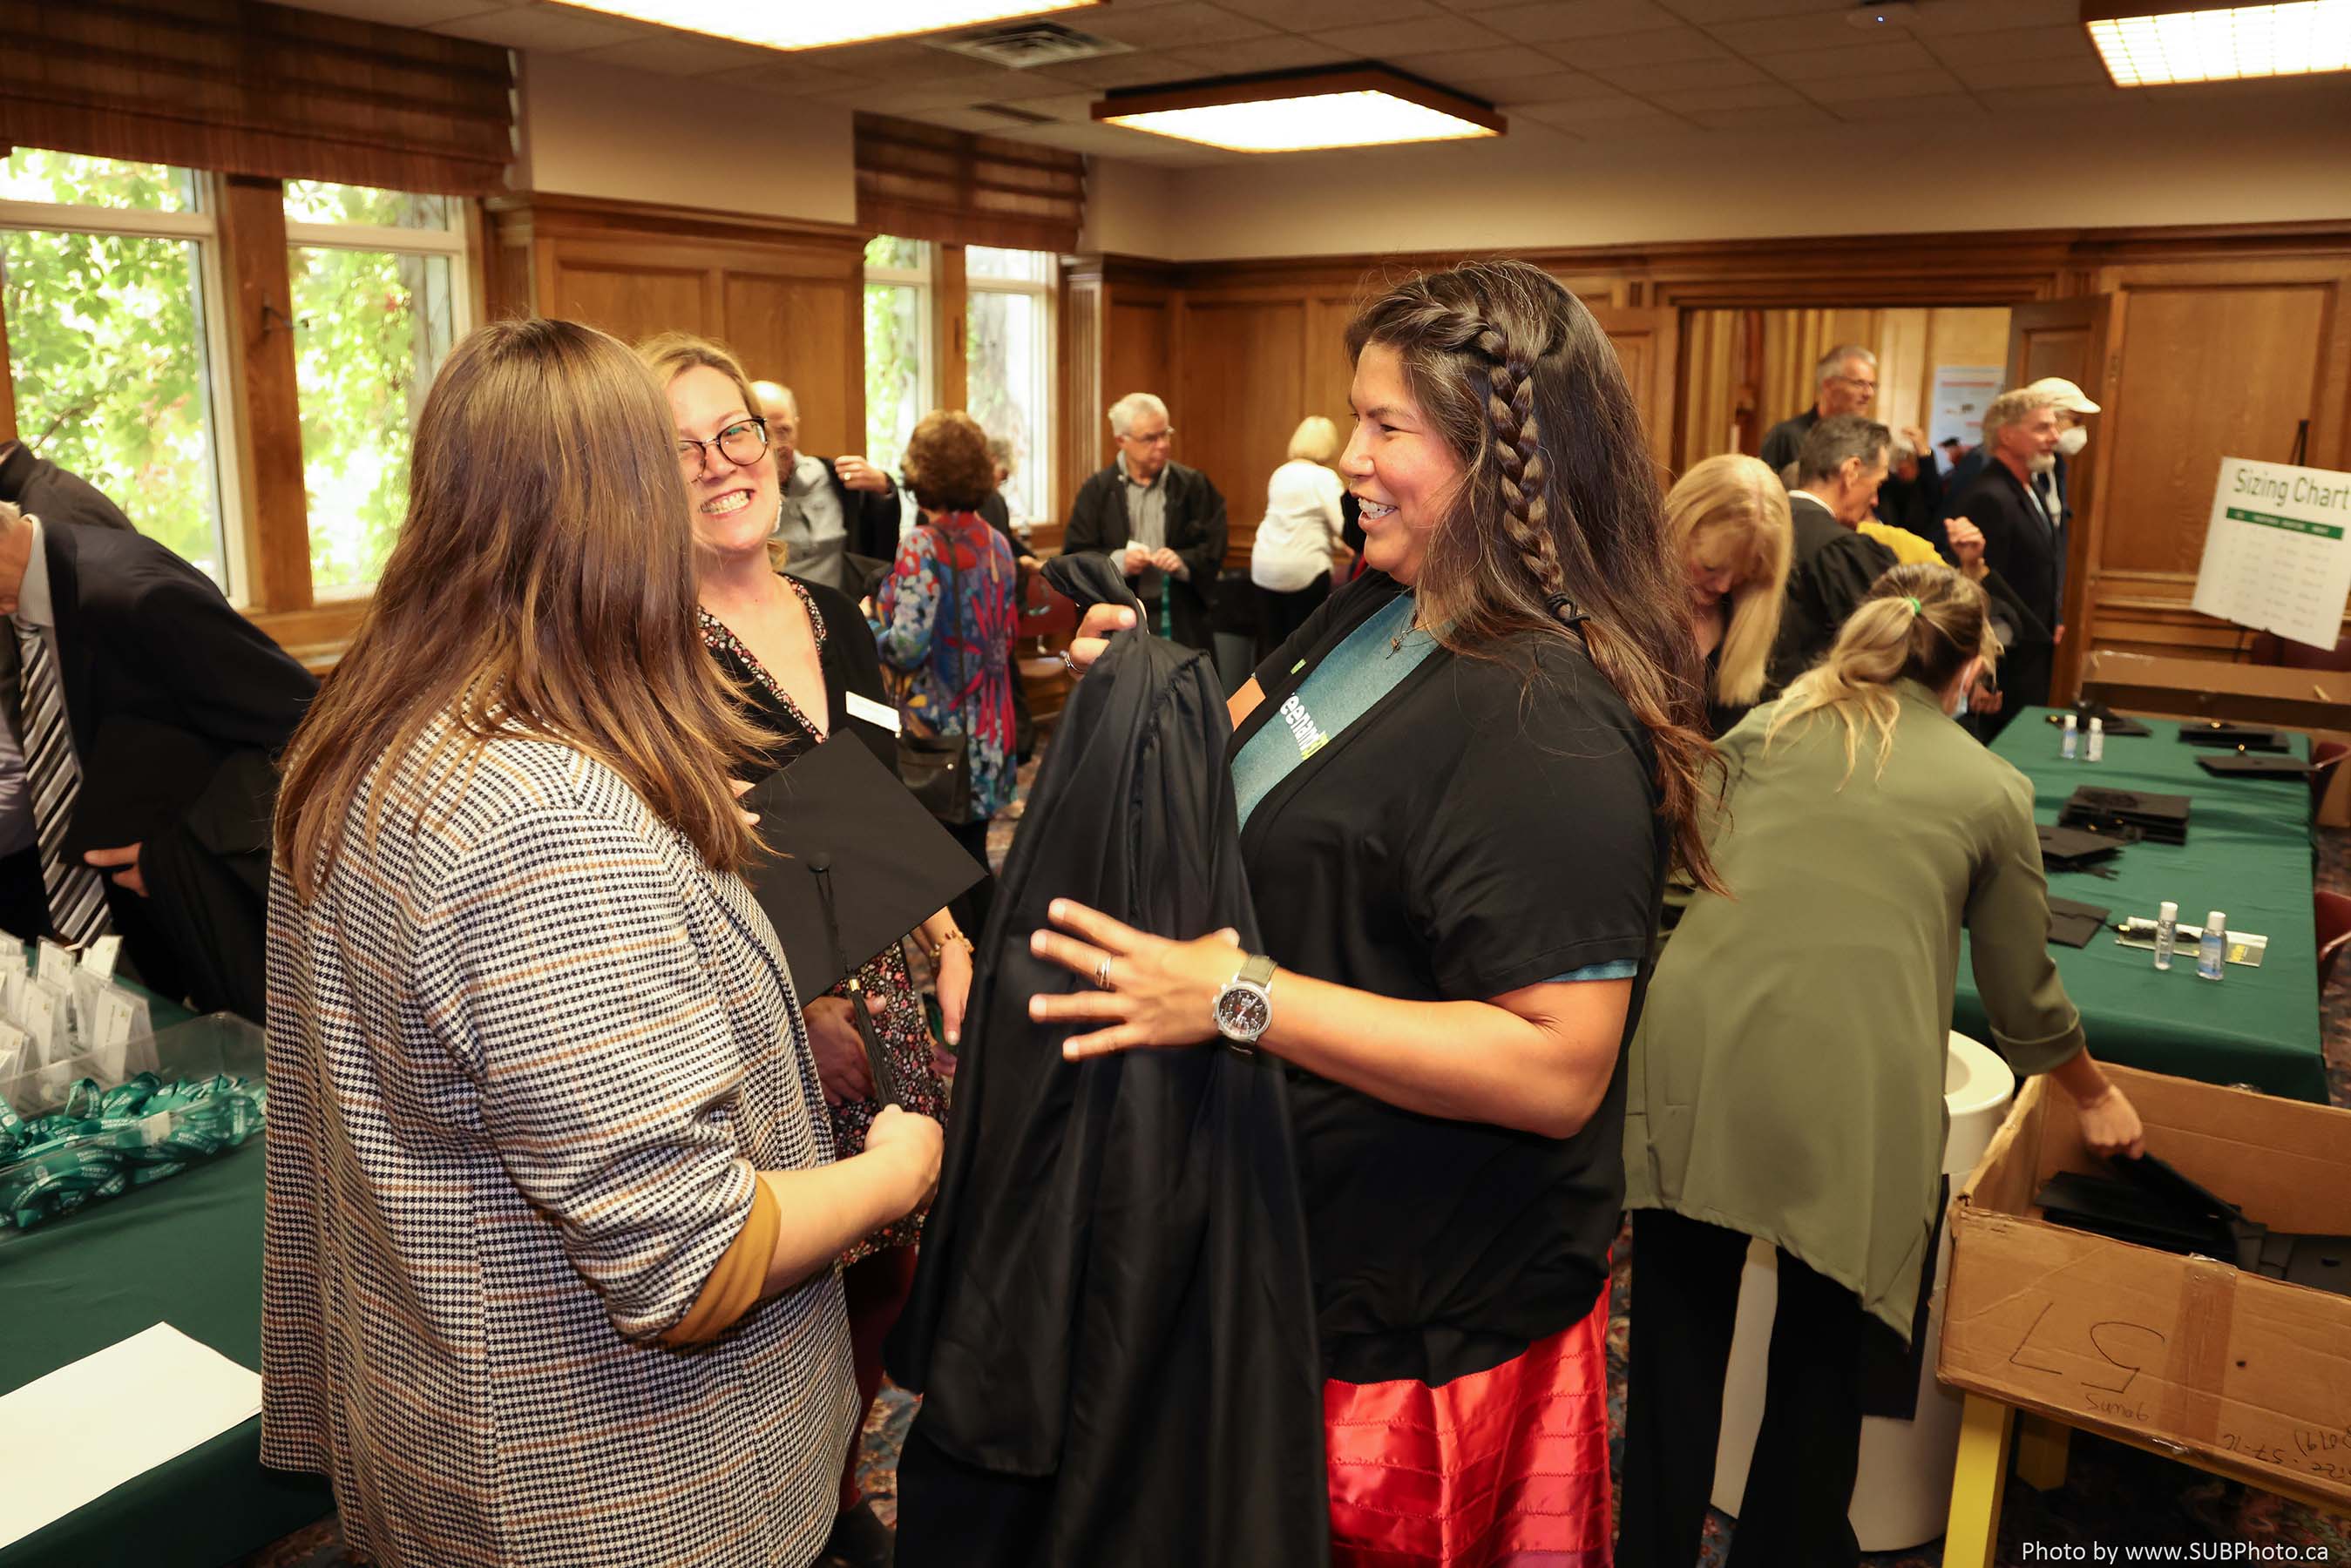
(1113, 1324)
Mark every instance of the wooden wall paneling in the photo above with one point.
(1243, 392)
(631, 289)
(950, 328)
(1328, 375)
(1706, 419)
(1084, 301)
(808, 334)
(277, 523)
(1648, 340)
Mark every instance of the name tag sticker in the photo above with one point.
(873, 713)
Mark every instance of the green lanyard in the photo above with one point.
(106, 1141)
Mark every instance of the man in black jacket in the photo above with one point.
(833, 507)
(1162, 524)
(138, 718)
(1846, 379)
(40, 488)
(1838, 470)
(2020, 538)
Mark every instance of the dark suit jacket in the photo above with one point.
(1783, 440)
(870, 519)
(1829, 571)
(176, 702)
(2019, 544)
(42, 489)
(1195, 531)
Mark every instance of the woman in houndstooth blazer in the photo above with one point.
(553, 1207)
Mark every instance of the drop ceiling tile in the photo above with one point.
(1870, 86)
(2032, 71)
(556, 32)
(1784, 35)
(1578, 113)
(1400, 42)
(1708, 12)
(680, 55)
(1945, 110)
(2017, 101)
(1496, 65)
(1567, 87)
(2012, 44)
(1692, 100)
(1785, 117)
(1137, 69)
(1935, 19)
(1274, 52)
(1662, 46)
(897, 97)
(787, 73)
(1316, 15)
(1070, 107)
(1724, 72)
(1854, 59)
(405, 12)
(1177, 26)
(1558, 19)
(1652, 126)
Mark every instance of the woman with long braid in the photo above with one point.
(1460, 785)
(1787, 1080)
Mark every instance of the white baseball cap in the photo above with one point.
(2069, 397)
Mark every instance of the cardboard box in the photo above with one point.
(2252, 1376)
(2316, 701)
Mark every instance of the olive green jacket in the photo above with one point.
(1787, 1080)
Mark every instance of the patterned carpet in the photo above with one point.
(2114, 1497)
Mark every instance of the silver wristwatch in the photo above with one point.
(1245, 1006)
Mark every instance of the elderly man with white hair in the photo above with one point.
(1845, 382)
(2005, 514)
(1163, 523)
(832, 508)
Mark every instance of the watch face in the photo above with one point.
(1242, 1012)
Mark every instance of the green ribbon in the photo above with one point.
(106, 1141)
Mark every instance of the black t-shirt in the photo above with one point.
(1490, 824)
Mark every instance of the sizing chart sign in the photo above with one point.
(2277, 552)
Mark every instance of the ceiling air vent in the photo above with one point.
(1026, 44)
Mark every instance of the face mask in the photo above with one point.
(2072, 442)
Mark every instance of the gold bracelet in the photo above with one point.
(940, 951)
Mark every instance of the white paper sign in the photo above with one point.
(71, 1437)
(1963, 393)
(99, 957)
(57, 962)
(2277, 550)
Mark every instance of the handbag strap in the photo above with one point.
(885, 1084)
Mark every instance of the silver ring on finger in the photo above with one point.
(1102, 973)
(1069, 664)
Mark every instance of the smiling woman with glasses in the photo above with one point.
(742, 443)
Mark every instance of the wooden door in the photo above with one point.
(2073, 339)
(1649, 340)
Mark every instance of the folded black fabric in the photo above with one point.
(2113, 723)
(2075, 925)
(2075, 848)
(2236, 737)
(2127, 813)
(1113, 1321)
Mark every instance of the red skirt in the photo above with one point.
(1506, 1467)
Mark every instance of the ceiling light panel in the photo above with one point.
(2146, 45)
(1299, 111)
(816, 26)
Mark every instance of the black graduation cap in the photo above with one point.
(2075, 924)
(2254, 764)
(2234, 737)
(2075, 848)
(857, 863)
(2123, 813)
(2113, 723)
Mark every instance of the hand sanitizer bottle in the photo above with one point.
(2097, 740)
(2067, 747)
(2167, 932)
(2212, 952)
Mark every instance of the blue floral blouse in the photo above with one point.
(946, 616)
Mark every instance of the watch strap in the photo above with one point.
(1257, 971)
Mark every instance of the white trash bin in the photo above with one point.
(1902, 1495)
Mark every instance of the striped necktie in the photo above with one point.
(77, 892)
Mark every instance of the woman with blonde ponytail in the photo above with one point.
(1460, 785)
(1787, 1078)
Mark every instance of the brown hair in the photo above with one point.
(1923, 622)
(542, 583)
(947, 463)
(1556, 524)
(1739, 501)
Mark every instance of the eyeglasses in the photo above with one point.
(1156, 438)
(1857, 381)
(739, 443)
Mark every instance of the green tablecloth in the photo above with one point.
(185, 1252)
(2249, 856)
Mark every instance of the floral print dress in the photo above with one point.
(900, 1026)
(947, 617)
